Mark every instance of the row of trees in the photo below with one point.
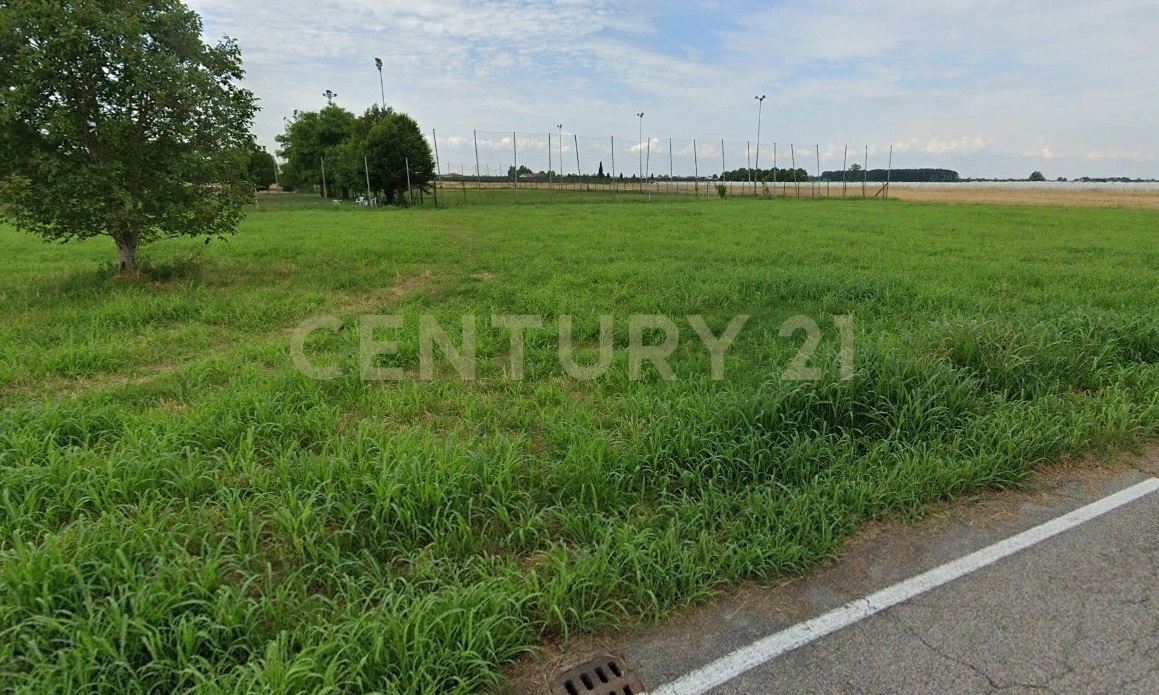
(766, 175)
(856, 173)
(381, 152)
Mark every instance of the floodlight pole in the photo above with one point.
(760, 107)
(640, 144)
(559, 126)
(329, 97)
(381, 87)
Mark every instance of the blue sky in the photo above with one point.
(987, 87)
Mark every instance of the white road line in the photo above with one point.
(764, 650)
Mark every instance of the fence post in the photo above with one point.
(889, 171)
(844, 168)
(578, 171)
(615, 184)
(865, 173)
(670, 168)
(478, 175)
(793, 160)
(695, 171)
(366, 168)
(648, 173)
(409, 192)
(438, 167)
(818, 170)
(723, 169)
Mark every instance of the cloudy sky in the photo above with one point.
(987, 87)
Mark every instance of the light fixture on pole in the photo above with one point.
(640, 144)
(760, 107)
(381, 88)
(329, 97)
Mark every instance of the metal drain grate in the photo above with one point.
(606, 675)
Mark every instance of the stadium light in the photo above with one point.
(329, 97)
(381, 88)
(640, 145)
(560, 127)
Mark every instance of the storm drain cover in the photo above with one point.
(606, 675)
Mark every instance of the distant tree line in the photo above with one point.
(766, 175)
(526, 173)
(896, 175)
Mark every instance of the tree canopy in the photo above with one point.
(769, 175)
(312, 141)
(379, 145)
(261, 168)
(393, 145)
(116, 119)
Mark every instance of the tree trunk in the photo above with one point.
(127, 245)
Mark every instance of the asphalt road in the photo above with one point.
(1075, 613)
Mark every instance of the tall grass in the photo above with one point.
(180, 510)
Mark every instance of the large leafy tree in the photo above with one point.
(351, 163)
(313, 140)
(393, 144)
(117, 119)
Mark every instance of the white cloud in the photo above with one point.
(962, 145)
(1135, 156)
(987, 86)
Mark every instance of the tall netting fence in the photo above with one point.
(552, 166)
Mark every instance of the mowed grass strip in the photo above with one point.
(181, 510)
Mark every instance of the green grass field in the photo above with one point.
(182, 510)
